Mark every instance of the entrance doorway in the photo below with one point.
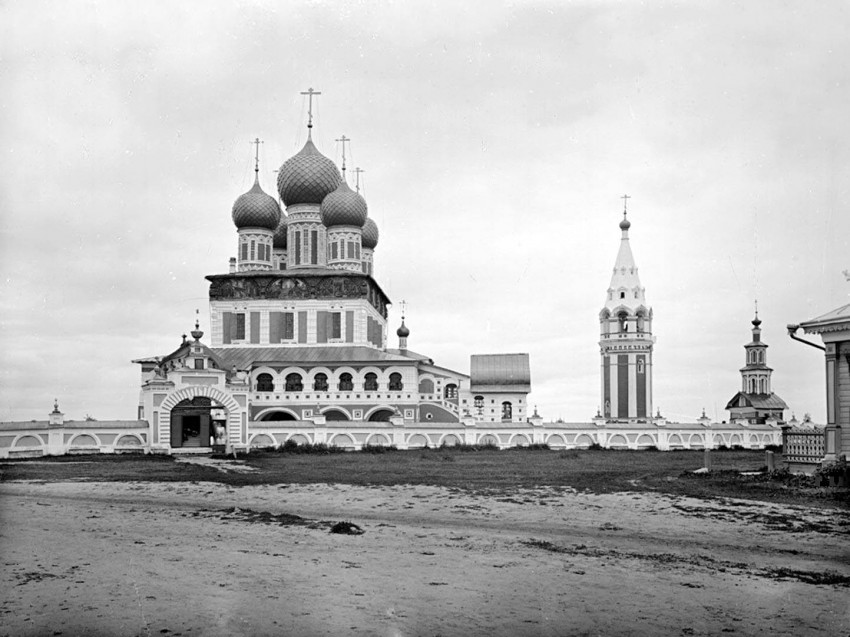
(198, 423)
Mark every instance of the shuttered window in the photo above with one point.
(336, 325)
(297, 247)
(314, 247)
(238, 331)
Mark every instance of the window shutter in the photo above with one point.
(302, 327)
(349, 327)
(321, 327)
(255, 327)
(274, 327)
(227, 327)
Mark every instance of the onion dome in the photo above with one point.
(625, 224)
(308, 177)
(279, 240)
(756, 321)
(256, 209)
(370, 234)
(402, 332)
(344, 207)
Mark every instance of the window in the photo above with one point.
(199, 363)
(253, 247)
(451, 391)
(357, 251)
(622, 295)
(640, 367)
(320, 382)
(336, 325)
(297, 243)
(507, 411)
(333, 251)
(293, 382)
(371, 382)
(478, 403)
(240, 327)
(622, 316)
(243, 255)
(314, 247)
(350, 249)
(395, 382)
(345, 382)
(265, 382)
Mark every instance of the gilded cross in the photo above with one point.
(403, 307)
(343, 139)
(310, 93)
(357, 172)
(625, 199)
(257, 143)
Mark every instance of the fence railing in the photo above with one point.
(806, 446)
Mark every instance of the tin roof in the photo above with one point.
(500, 372)
(837, 319)
(245, 357)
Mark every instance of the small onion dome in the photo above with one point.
(756, 321)
(402, 332)
(344, 207)
(370, 234)
(308, 177)
(279, 241)
(625, 224)
(256, 209)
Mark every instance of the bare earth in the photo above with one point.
(82, 558)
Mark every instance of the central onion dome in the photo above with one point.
(279, 240)
(308, 177)
(370, 234)
(625, 224)
(256, 209)
(344, 207)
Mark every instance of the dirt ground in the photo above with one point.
(81, 558)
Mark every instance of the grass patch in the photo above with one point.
(486, 470)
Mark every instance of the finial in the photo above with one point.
(343, 139)
(257, 143)
(625, 199)
(197, 333)
(310, 93)
(357, 172)
(703, 412)
(403, 307)
(55, 405)
(756, 320)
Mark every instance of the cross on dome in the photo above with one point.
(257, 143)
(357, 172)
(310, 93)
(342, 140)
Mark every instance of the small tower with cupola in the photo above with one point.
(256, 216)
(303, 182)
(626, 341)
(756, 402)
(343, 214)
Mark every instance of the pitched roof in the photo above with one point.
(758, 401)
(244, 357)
(500, 372)
(837, 319)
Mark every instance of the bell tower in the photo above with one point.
(626, 340)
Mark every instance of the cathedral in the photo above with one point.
(299, 334)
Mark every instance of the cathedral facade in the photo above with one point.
(299, 335)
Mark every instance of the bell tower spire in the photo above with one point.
(626, 340)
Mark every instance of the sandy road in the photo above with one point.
(164, 559)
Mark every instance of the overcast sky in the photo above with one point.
(497, 141)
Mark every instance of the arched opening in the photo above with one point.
(370, 382)
(335, 415)
(293, 382)
(478, 404)
(278, 416)
(426, 386)
(382, 415)
(320, 382)
(265, 382)
(395, 382)
(507, 411)
(622, 317)
(346, 382)
(198, 422)
(450, 391)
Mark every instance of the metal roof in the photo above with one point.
(758, 401)
(837, 319)
(500, 372)
(245, 357)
